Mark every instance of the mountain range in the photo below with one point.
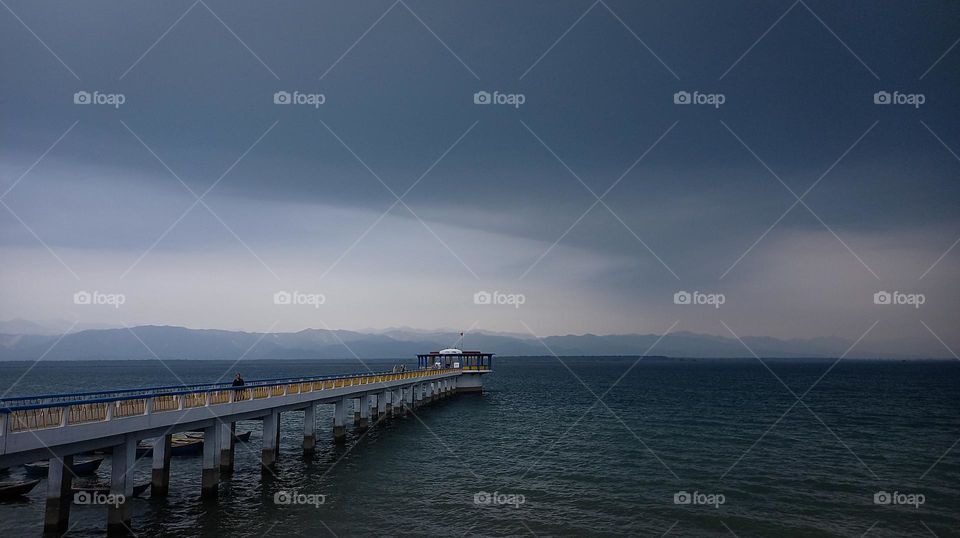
(171, 343)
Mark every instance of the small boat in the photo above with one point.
(100, 487)
(83, 468)
(13, 490)
(179, 446)
(241, 437)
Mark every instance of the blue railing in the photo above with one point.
(19, 403)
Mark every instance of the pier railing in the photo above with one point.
(32, 413)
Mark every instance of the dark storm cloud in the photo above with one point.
(800, 100)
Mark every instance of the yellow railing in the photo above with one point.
(82, 413)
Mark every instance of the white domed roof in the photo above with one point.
(451, 351)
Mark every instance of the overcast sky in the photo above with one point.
(495, 197)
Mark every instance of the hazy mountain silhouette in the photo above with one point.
(167, 342)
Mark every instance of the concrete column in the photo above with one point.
(418, 396)
(121, 483)
(396, 402)
(210, 478)
(268, 453)
(357, 405)
(408, 392)
(279, 416)
(56, 516)
(374, 402)
(310, 427)
(382, 404)
(339, 420)
(160, 474)
(364, 422)
(227, 432)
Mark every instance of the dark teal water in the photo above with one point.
(582, 467)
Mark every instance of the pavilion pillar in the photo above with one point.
(228, 431)
(210, 475)
(160, 472)
(339, 420)
(56, 515)
(121, 483)
(268, 452)
(310, 428)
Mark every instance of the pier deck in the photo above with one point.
(57, 427)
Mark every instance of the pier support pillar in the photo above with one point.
(408, 392)
(121, 483)
(227, 442)
(339, 420)
(357, 405)
(374, 401)
(396, 402)
(310, 428)
(210, 477)
(418, 396)
(160, 473)
(268, 452)
(364, 421)
(56, 516)
(382, 404)
(279, 416)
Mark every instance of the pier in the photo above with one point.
(58, 427)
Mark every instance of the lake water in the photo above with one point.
(750, 458)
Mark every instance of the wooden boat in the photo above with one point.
(241, 437)
(13, 490)
(99, 487)
(179, 446)
(83, 468)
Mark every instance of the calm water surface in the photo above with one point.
(715, 427)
